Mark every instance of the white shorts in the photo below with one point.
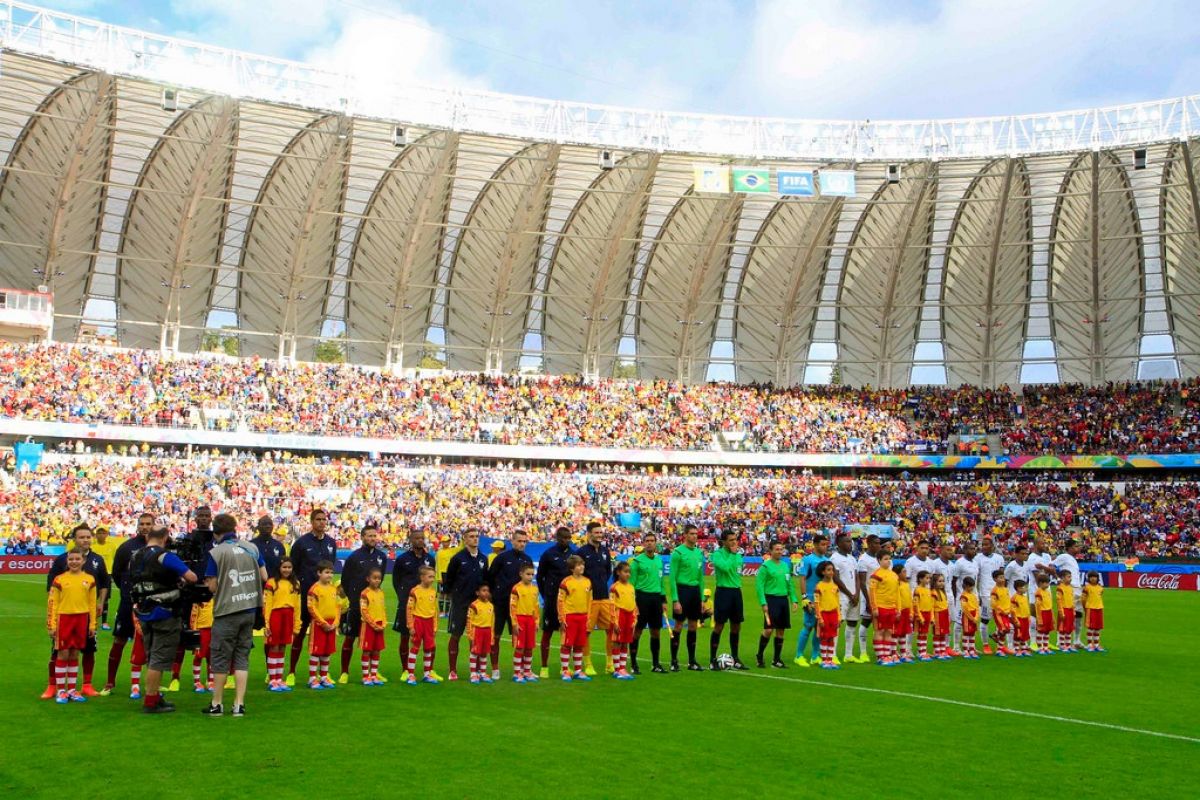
(1078, 608)
(985, 606)
(851, 612)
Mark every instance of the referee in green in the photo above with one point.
(687, 585)
(727, 602)
(775, 589)
(650, 591)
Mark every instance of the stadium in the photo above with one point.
(388, 323)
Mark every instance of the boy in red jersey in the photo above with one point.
(625, 603)
(574, 604)
(71, 619)
(481, 619)
(372, 610)
(324, 609)
(1043, 607)
(523, 614)
(421, 619)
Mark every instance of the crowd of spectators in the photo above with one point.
(1146, 520)
(87, 384)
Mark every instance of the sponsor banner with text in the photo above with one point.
(1153, 580)
(25, 565)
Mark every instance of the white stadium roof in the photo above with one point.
(274, 195)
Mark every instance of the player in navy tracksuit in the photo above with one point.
(552, 568)
(308, 551)
(503, 575)
(406, 573)
(466, 572)
(354, 579)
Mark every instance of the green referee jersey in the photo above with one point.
(727, 567)
(687, 568)
(646, 574)
(774, 578)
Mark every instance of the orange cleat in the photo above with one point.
(987, 649)
(49, 694)
(88, 691)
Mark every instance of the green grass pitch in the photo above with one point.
(1062, 726)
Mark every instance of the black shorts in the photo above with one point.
(727, 606)
(351, 621)
(123, 624)
(780, 611)
(691, 606)
(400, 625)
(550, 621)
(457, 624)
(503, 620)
(650, 610)
(305, 619)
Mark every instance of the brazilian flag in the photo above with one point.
(751, 180)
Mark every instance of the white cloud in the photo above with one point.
(830, 58)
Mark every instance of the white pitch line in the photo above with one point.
(979, 706)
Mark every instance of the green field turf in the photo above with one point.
(1016, 728)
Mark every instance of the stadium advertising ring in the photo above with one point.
(1157, 580)
(25, 565)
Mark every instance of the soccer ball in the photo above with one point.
(724, 661)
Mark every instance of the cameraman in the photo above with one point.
(235, 574)
(156, 577)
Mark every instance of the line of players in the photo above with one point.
(624, 605)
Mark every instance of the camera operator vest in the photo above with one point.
(239, 586)
(153, 584)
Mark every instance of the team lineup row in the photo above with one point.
(581, 590)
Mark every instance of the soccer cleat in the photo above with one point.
(953, 653)
(76, 697)
(344, 679)
(161, 707)
(380, 680)
(434, 673)
(590, 671)
(1009, 651)
(431, 678)
(213, 710)
(837, 661)
(453, 676)
(738, 665)
(712, 667)
(230, 682)
(239, 711)
(50, 693)
(923, 657)
(61, 698)
(582, 676)
(544, 673)
(410, 680)
(314, 684)
(517, 679)
(566, 677)
(635, 669)
(608, 667)
(495, 674)
(327, 684)
(801, 661)
(777, 664)
(864, 659)
(623, 676)
(674, 666)
(659, 669)
(106, 691)
(135, 694)
(1000, 653)
(943, 658)
(106, 627)
(486, 678)
(760, 663)
(530, 677)
(174, 685)
(88, 691)
(987, 649)
(200, 688)
(291, 679)
(694, 667)
(474, 679)
(406, 676)
(276, 686)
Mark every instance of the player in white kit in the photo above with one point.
(989, 561)
(918, 562)
(845, 575)
(1067, 561)
(868, 562)
(966, 566)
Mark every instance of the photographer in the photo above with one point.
(156, 577)
(235, 574)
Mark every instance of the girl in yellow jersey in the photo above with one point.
(625, 603)
(923, 611)
(574, 602)
(281, 609)
(1043, 610)
(71, 619)
(1066, 613)
(481, 620)
(1093, 610)
(825, 598)
(883, 593)
(373, 612)
(1002, 613)
(941, 618)
(902, 633)
(523, 611)
(969, 604)
(421, 618)
(1021, 618)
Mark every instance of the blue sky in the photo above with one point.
(789, 58)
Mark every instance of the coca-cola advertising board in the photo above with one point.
(25, 565)
(1153, 580)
